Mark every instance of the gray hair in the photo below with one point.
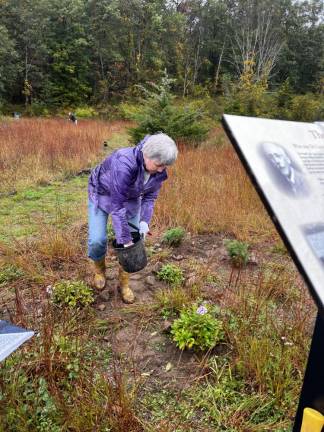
(160, 148)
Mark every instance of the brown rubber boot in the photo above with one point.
(126, 293)
(99, 279)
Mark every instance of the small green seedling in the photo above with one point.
(72, 293)
(171, 274)
(173, 236)
(238, 252)
(197, 328)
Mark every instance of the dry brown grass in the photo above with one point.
(53, 254)
(208, 191)
(35, 151)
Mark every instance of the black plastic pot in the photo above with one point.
(132, 258)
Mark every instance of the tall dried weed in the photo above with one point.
(208, 191)
(35, 151)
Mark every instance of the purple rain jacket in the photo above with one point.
(117, 187)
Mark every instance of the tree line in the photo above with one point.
(78, 52)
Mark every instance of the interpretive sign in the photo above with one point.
(285, 161)
(11, 337)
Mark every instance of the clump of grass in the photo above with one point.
(172, 301)
(58, 244)
(238, 252)
(24, 255)
(173, 236)
(228, 402)
(9, 273)
(268, 363)
(171, 274)
(72, 293)
(276, 282)
(279, 248)
(268, 339)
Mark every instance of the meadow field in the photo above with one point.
(110, 367)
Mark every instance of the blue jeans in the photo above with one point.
(97, 235)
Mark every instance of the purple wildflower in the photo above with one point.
(201, 310)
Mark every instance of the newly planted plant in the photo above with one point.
(197, 328)
(171, 274)
(72, 293)
(238, 252)
(173, 236)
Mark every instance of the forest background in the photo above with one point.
(251, 57)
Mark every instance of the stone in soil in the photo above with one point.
(135, 276)
(150, 280)
(177, 257)
(156, 267)
(104, 295)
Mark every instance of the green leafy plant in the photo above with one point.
(238, 252)
(72, 293)
(47, 411)
(197, 328)
(171, 274)
(9, 273)
(173, 236)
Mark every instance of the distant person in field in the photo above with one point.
(286, 172)
(125, 185)
(72, 118)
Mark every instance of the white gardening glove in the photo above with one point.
(128, 244)
(143, 229)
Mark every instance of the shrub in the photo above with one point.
(85, 112)
(129, 111)
(283, 98)
(72, 293)
(173, 236)
(159, 113)
(197, 328)
(238, 252)
(171, 274)
(307, 108)
(36, 109)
